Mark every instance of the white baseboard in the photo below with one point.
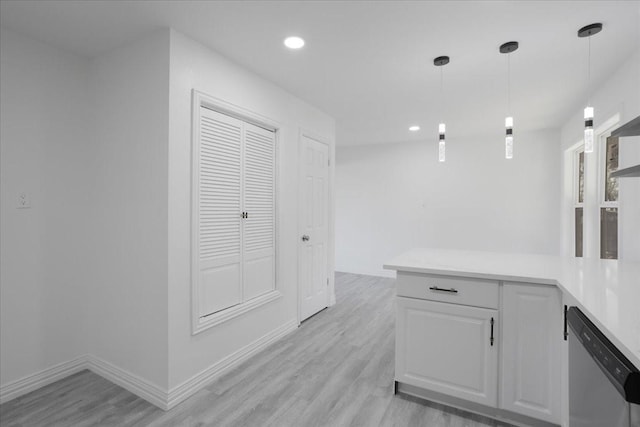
(378, 273)
(200, 380)
(136, 385)
(40, 379)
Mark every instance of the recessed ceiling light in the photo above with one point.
(414, 128)
(293, 42)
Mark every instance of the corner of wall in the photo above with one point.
(129, 302)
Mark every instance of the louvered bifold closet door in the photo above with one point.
(219, 207)
(259, 205)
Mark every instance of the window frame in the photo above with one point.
(601, 188)
(577, 204)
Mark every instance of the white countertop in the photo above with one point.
(607, 291)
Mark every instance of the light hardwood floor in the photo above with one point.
(335, 370)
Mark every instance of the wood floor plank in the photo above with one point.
(335, 370)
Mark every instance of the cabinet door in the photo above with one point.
(532, 334)
(447, 348)
(216, 212)
(259, 204)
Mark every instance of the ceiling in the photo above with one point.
(369, 64)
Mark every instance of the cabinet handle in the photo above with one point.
(566, 333)
(452, 290)
(491, 339)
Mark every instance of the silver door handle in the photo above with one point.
(305, 238)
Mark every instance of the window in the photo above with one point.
(579, 204)
(591, 211)
(609, 201)
(233, 228)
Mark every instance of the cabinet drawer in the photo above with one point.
(456, 290)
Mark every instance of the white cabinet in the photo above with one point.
(493, 344)
(531, 340)
(448, 348)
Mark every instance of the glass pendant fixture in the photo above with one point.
(587, 32)
(507, 48)
(441, 141)
(441, 61)
(588, 130)
(508, 139)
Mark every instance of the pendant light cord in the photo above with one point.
(441, 95)
(508, 83)
(589, 70)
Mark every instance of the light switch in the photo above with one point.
(24, 201)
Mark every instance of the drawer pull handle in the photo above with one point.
(491, 339)
(565, 333)
(452, 290)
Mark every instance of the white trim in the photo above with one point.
(390, 274)
(136, 385)
(142, 388)
(40, 379)
(233, 110)
(200, 99)
(204, 323)
(197, 382)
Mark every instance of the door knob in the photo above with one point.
(305, 238)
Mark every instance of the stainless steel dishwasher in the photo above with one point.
(604, 386)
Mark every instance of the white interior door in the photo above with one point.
(314, 229)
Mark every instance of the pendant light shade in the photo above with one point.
(589, 137)
(441, 142)
(441, 61)
(508, 139)
(507, 48)
(588, 130)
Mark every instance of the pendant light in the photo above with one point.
(587, 32)
(441, 61)
(507, 48)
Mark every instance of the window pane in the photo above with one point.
(609, 233)
(581, 177)
(611, 184)
(579, 232)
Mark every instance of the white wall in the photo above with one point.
(195, 66)
(43, 135)
(394, 197)
(100, 264)
(128, 302)
(619, 96)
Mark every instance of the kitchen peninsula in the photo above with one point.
(484, 331)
